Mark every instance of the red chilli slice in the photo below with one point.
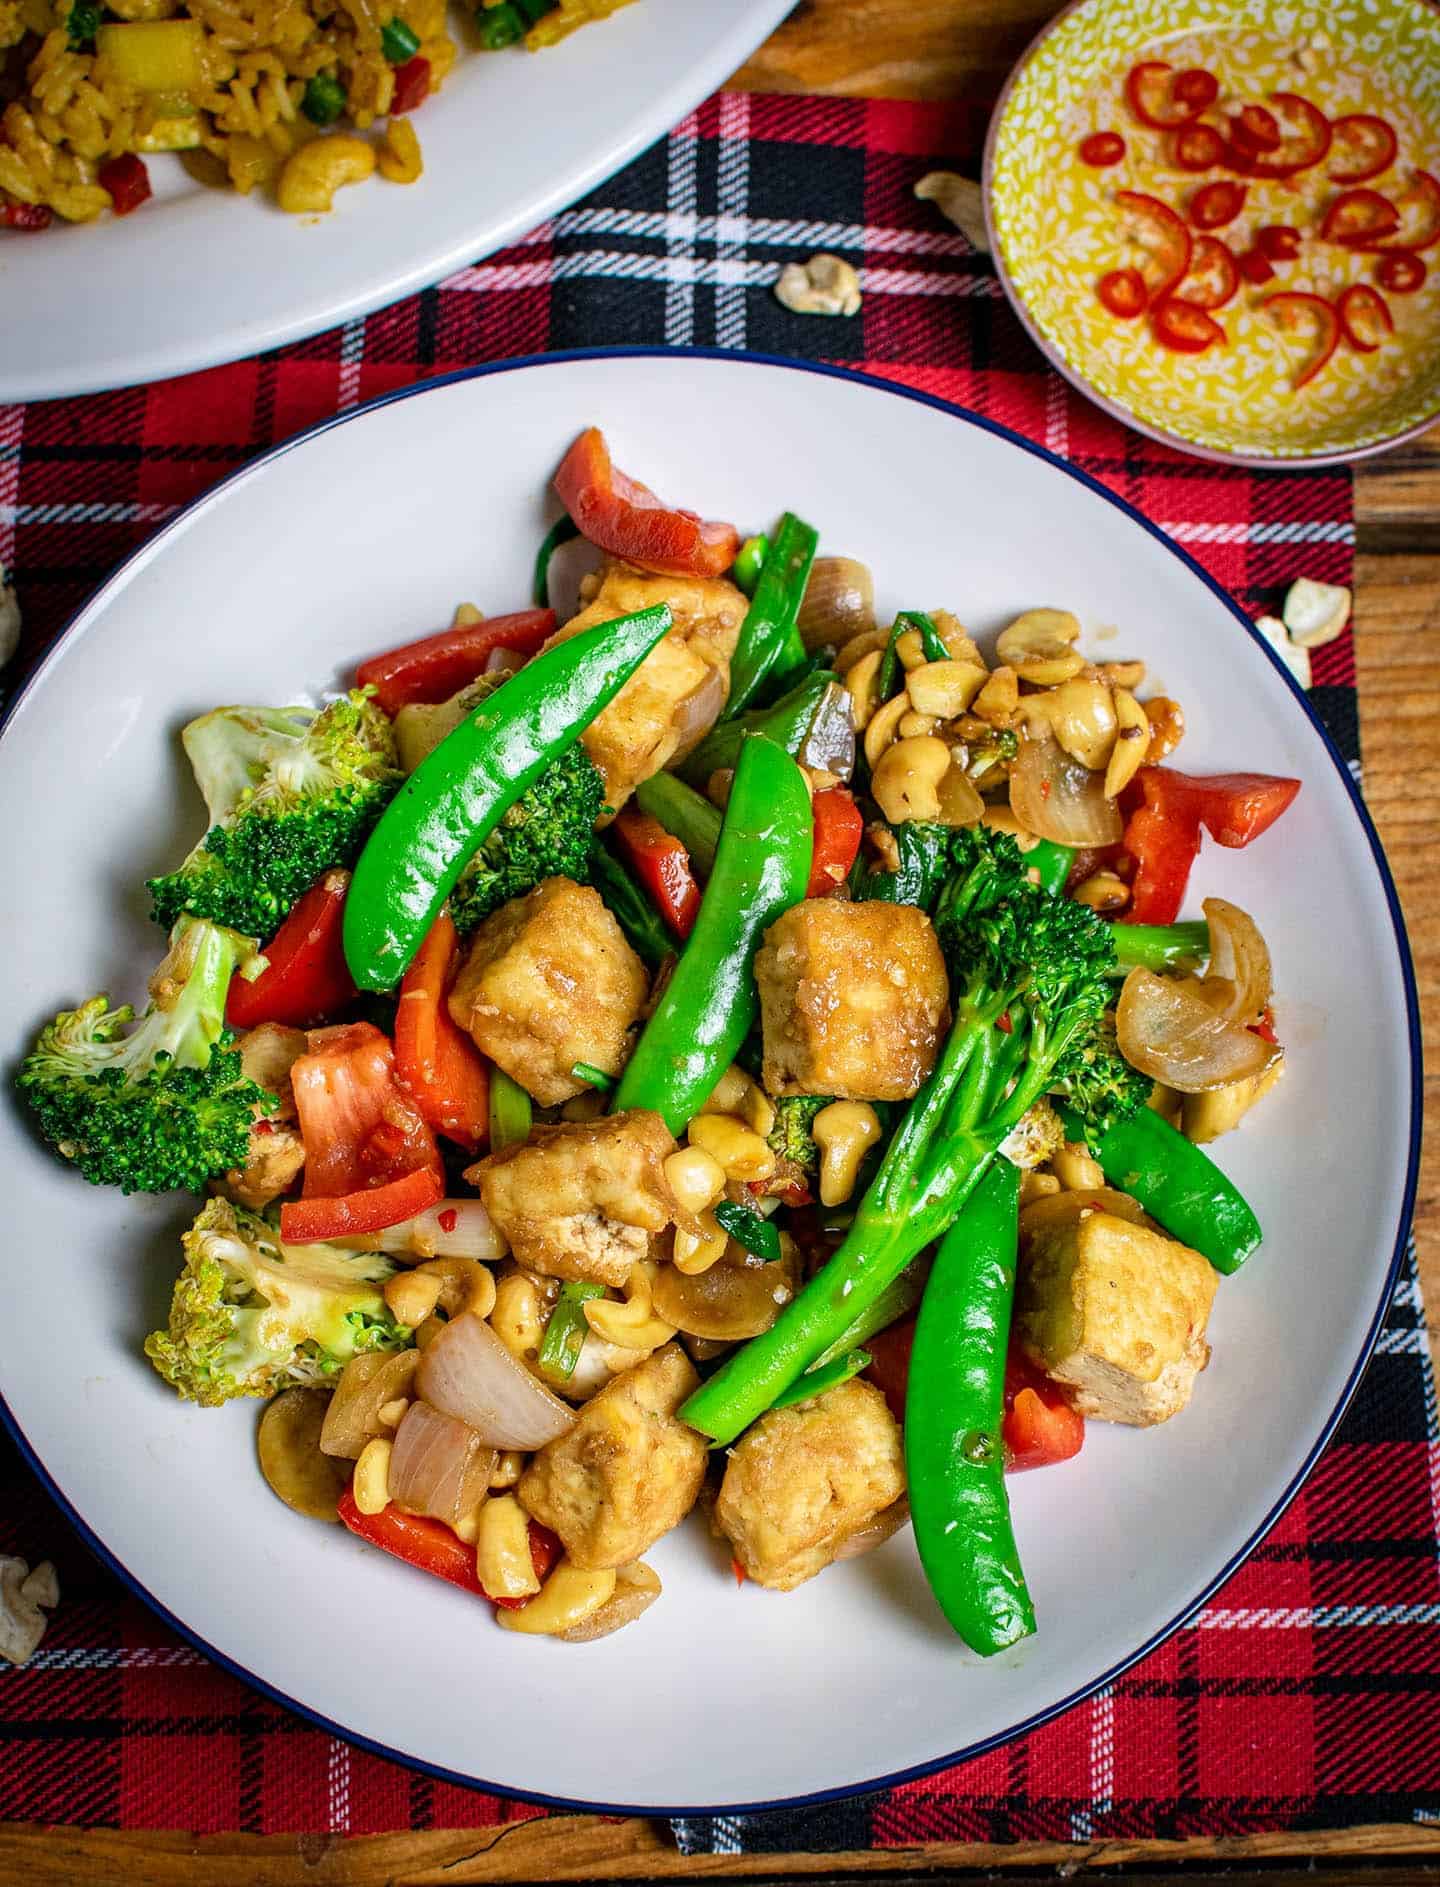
(1358, 218)
(1198, 147)
(1366, 146)
(1256, 267)
(1184, 327)
(1278, 242)
(1196, 88)
(1256, 130)
(1401, 273)
(1102, 149)
(1124, 293)
(1422, 231)
(1148, 84)
(1213, 276)
(1162, 235)
(1364, 317)
(1290, 309)
(1305, 141)
(1216, 204)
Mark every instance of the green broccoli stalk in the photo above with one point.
(1029, 981)
(291, 794)
(166, 1105)
(1160, 947)
(791, 1137)
(251, 1316)
(548, 833)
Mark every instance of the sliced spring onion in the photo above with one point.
(324, 99)
(745, 571)
(747, 1228)
(934, 648)
(510, 1112)
(822, 1377)
(82, 23)
(499, 26)
(560, 532)
(592, 1076)
(398, 42)
(566, 1331)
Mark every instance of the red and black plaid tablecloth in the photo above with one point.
(1307, 1694)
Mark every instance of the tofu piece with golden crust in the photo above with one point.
(673, 699)
(853, 999)
(803, 1480)
(585, 1199)
(627, 1472)
(549, 980)
(1115, 1313)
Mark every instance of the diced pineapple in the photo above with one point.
(155, 55)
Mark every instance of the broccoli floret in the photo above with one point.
(1099, 1085)
(166, 1105)
(1035, 1138)
(790, 1137)
(251, 1316)
(291, 793)
(548, 833)
(926, 854)
(998, 748)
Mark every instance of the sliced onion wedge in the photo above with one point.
(839, 603)
(1169, 1031)
(438, 1466)
(467, 1372)
(1239, 982)
(1055, 797)
(700, 710)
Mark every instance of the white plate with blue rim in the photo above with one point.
(199, 276)
(718, 1697)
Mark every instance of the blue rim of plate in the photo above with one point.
(92, 607)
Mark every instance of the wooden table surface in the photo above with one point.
(943, 49)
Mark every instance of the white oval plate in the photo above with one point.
(367, 532)
(201, 276)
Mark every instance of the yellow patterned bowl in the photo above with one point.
(1054, 228)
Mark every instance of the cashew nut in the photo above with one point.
(1083, 719)
(862, 683)
(465, 1284)
(907, 779)
(945, 689)
(567, 1598)
(1166, 719)
(1132, 743)
(22, 1593)
(843, 1131)
(824, 286)
(400, 160)
(1037, 645)
(959, 199)
(1103, 891)
(884, 726)
(9, 620)
(998, 699)
(631, 1325)
(318, 169)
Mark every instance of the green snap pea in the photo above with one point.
(459, 793)
(642, 924)
(1177, 1183)
(745, 571)
(954, 1407)
(769, 652)
(762, 865)
(511, 1112)
(686, 815)
(822, 1377)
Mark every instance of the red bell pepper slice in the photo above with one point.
(1163, 849)
(1163, 834)
(25, 216)
(1216, 204)
(1148, 87)
(127, 180)
(1102, 149)
(1358, 218)
(412, 86)
(1278, 242)
(436, 1063)
(1367, 145)
(439, 666)
(1198, 147)
(357, 1214)
(1123, 293)
(1364, 317)
(1163, 237)
(1039, 1426)
(1401, 273)
(432, 1547)
(839, 827)
(625, 518)
(306, 978)
(662, 864)
(1292, 309)
(1184, 327)
(1305, 139)
(1214, 275)
(370, 1156)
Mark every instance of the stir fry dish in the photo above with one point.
(717, 1050)
(274, 95)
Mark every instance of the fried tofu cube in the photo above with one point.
(1114, 1312)
(803, 1480)
(853, 999)
(585, 1199)
(550, 980)
(675, 696)
(627, 1472)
